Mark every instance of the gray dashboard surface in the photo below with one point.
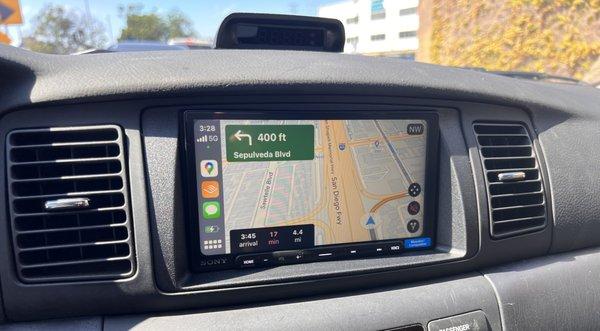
(558, 292)
(36, 78)
(376, 310)
(73, 324)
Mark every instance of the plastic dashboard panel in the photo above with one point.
(117, 88)
(368, 310)
(163, 271)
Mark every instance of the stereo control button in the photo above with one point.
(246, 261)
(322, 254)
(394, 248)
(265, 260)
(288, 257)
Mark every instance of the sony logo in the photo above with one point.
(211, 262)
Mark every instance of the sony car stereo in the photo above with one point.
(266, 189)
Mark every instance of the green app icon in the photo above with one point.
(211, 209)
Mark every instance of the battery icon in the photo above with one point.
(211, 229)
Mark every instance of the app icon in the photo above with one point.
(211, 209)
(210, 189)
(212, 244)
(209, 168)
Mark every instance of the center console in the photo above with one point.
(282, 190)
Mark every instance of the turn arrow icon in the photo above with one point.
(239, 135)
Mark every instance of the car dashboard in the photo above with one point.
(101, 212)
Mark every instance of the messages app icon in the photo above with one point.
(211, 209)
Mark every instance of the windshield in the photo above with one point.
(556, 38)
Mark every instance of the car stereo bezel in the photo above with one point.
(202, 263)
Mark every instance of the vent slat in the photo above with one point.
(75, 228)
(69, 242)
(81, 272)
(504, 152)
(78, 143)
(79, 245)
(517, 206)
(58, 221)
(71, 212)
(516, 194)
(510, 170)
(528, 157)
(76, 161)
(498, 128)
(514, 183)
(61, 135)
(65, 178)
(66, 237)
(66, 263)
(74, 254)
(520, 199)
(517, 220)
(61, 170)
(509, 163)
(53, 153)
(507, 146)
(68, 195)
(504, 135)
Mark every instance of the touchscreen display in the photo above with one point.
(275, 185)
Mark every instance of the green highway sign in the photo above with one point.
(248, 143)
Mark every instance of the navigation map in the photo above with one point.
(364, 183)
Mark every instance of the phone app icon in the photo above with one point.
(209, 168)
(211, 210)
(210, 189)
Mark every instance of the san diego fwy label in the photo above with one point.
(250, 143)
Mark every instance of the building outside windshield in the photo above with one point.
(532, 39)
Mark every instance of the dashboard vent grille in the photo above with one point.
(69, 204)
(513, 177)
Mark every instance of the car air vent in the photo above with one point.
(69, 204)
(513, 177)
